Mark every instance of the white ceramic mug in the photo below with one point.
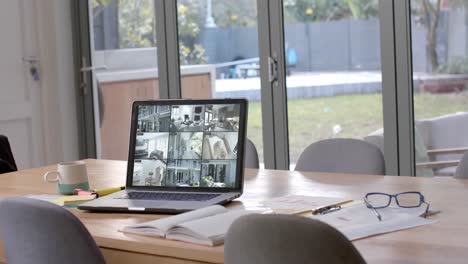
(69, 176)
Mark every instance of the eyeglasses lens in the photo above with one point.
(378, 200)
(409, 199)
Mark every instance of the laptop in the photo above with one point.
(183, 155)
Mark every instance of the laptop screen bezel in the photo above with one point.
(243, 105)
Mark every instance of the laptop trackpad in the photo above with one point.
(134, 205)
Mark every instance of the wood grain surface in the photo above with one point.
(443, 242)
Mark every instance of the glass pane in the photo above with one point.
(409, 199)
(125, 58)
(334, 80)
(378, 200)
(218, 45)
(440, 75)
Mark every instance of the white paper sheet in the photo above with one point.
(294, 204)
(358, 221)
(44, 197)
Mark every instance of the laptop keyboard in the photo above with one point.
(163, 196)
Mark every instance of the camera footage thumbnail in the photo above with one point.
(151, 146)
(222, 118)
(186, 145)
(220, 145)
(149, 173)
(187, 118)
(154, 118)
(218, 173)
(183, 173)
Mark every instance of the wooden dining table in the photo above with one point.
(445, 241)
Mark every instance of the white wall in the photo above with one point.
(57, 84)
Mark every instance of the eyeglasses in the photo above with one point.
(377, 200)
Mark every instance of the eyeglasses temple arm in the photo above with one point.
(427, 210)
(373, 209)
(377, 214)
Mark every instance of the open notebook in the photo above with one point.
(206, 226)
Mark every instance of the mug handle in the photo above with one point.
(47, 174)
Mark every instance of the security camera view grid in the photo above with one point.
(186, 145)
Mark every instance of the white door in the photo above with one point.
(20, 111)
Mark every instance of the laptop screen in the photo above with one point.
(187, 145)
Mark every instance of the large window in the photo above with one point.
(334, 78)
(316, 68)
(440, 77)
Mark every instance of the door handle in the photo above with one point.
(93, 68)
(33, 62)
(84, 74)
(30, 59)
(272, 70)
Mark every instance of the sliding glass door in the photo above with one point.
(124, 68)
(311, 70)
(440, 77)
(333, 72)
(219, 55)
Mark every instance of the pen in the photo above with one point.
(330, 208)
(326, 209)
(308, 211)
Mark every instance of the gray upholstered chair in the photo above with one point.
(439, 143)
(251, 155)
(7, 161)
(40, 232)
(462, 168)
(342, 155)
(444, 133)
(275, 239)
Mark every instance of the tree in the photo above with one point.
(329, 10)
(137, 24)
(189, 21)
(363, 9)
(430, 16)
(99, 6)
(240, 13)
(430, 11)
(297, 11)
(226, 13)
(431, 20)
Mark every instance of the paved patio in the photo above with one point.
(321, 84)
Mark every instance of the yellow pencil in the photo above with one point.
(104, 192)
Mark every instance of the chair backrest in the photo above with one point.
(377, 138)
(462, 168)
(444, 132)
(275, 239)
(7, 161)
(342, 155)
(40, 232)
(251, 155)
(448, 131)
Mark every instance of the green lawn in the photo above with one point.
(357, 115)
